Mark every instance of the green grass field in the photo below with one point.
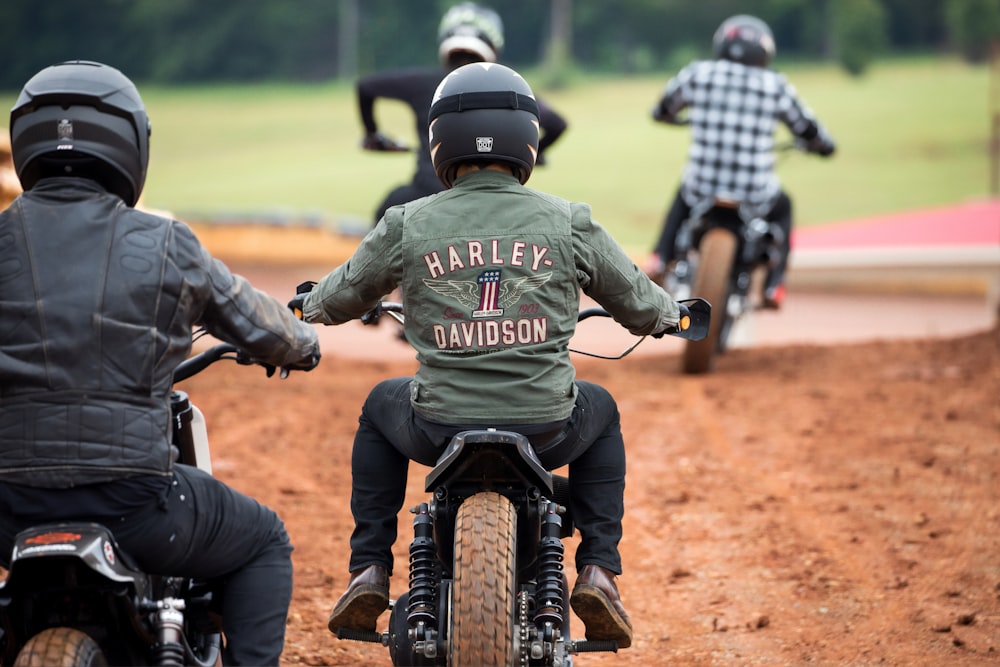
(910, 134)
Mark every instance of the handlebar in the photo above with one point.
(695, 315)
(693, 323)
(199, 362)
(822, 145)
(674, 120)
(797, 144)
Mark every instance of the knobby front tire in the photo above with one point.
(717, 252)
(483, 594)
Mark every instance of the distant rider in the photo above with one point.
(467, 33)
(98, 303)
(489, 356)
(734, 103)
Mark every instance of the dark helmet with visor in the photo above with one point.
(483, 112)
(470, 28)
(744, 39)
(81, 118)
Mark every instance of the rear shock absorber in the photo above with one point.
(422, 606)
(169, 649)
(549, 594)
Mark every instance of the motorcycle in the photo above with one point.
(724, 252)
(72, 597)
(486, 581)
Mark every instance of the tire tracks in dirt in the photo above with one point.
(770, 511)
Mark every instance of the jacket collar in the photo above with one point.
(485, 177)
(63, 183)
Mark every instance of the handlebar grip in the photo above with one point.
(295, 305)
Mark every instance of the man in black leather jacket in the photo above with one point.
(97, 305)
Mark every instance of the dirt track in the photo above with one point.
(805, 504)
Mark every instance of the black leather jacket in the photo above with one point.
(97, 306)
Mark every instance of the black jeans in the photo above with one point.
(679, 211)
(390, 434)
(204, 529)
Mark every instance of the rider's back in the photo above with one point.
(734, 110)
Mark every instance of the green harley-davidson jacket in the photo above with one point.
(491, 274)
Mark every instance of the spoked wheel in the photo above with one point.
(61, 647)
(482, 616)
(716, 252)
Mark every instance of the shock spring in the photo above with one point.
(169, 649)
(549, 594)
(424, 570)
(168, 654)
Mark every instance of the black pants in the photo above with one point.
(204, 529)
(679, 211)
(390, 434)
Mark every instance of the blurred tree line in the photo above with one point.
(186, 41)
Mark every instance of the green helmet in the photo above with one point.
(470, 28)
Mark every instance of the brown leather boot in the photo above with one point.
(596, 602)
(366, 597)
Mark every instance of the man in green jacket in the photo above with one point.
(490, 273)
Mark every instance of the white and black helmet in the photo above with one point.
(81, 118)
(473, 29)
(483, 112)
(744, 39)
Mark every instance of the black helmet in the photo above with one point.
(744, 39)
(81, 118)
(483, 112)
(473, 29)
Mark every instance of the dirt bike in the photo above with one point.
(73, 597)
(723, 253)
(486, 581)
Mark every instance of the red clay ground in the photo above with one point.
(803, 505)
(829, 502)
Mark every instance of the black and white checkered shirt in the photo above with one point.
(733, 111)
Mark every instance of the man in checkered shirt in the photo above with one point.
(734, 104)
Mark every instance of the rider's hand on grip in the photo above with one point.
(301, 292)
(683, 323)
(245, 359)
(376, 141)
(373, 315)
(822, 145)
(307, 363)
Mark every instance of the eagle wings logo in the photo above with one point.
(488, 295)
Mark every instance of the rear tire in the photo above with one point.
(61, 647)
(717, 251)
(483, 596)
